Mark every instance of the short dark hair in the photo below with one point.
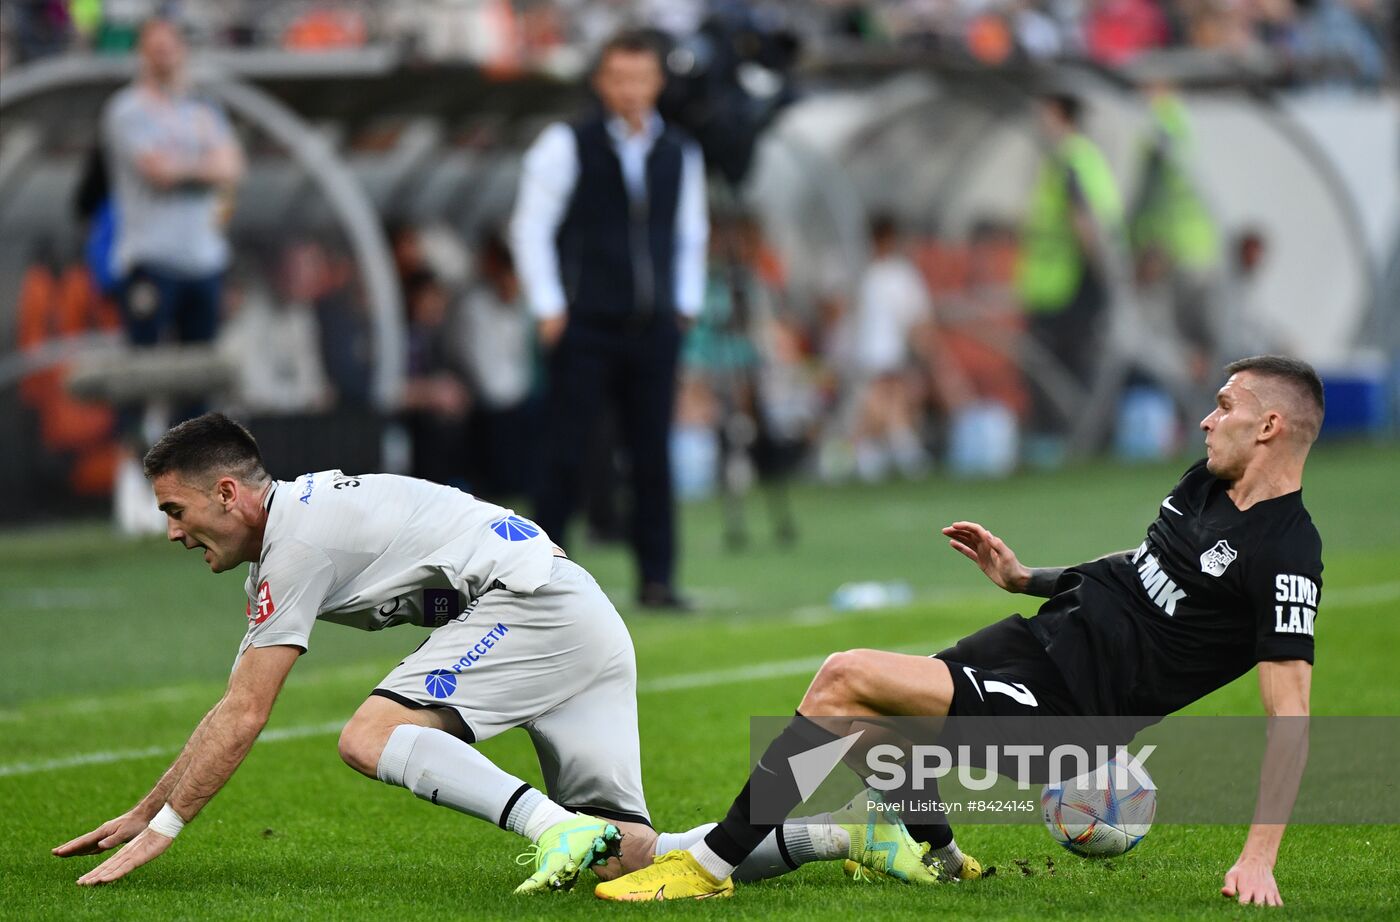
(630, 41)
(1297, 374)
(883, 226)
(211, 444)
(1070, 107)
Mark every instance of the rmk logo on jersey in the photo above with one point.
(1215, 560)
(515, 528)
(265, 605)
(1294, 619)
(1160, 588)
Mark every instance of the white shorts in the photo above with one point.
(558, 662)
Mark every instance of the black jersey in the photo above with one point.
(1210, 593)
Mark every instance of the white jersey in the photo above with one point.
(893, 300)
(376, 550)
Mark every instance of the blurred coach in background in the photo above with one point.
(173, 156)
(609, 235)
(173, 160)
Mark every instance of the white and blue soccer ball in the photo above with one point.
(1101, 814)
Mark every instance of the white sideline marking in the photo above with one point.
(41, 598)
(106, 757)
(1360, 595)
(1347, 596)
(750, 673)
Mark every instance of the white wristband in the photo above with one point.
(167, 822)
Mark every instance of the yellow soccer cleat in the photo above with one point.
(565, 849)
(971, 869)
(676, 875)
(882, 846)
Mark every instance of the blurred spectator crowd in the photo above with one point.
(1308, 41)
(915, 362)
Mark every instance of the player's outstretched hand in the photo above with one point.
(990, 553)
(145, 847)
(111, 833)
(1252, 881)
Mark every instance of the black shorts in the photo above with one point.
(1007, 691)
(1004, 671)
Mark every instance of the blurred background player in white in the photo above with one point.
(174, 161)
(892, 310)
(497, 338)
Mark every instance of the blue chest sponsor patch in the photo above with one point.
(515, 528)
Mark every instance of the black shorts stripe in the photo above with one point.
(605, 813)
(463, 731)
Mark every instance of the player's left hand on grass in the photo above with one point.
(1252, 881)
(115, 831)
(145, 847)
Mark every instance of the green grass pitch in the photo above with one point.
(113, 650)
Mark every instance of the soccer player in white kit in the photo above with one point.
(522, 637)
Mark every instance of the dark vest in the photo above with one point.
(617, 257)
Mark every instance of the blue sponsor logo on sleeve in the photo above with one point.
(515, 528)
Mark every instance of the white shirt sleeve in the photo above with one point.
(692, 234)
(919, 304)
(129, 132)
(548, 176)
(293, 583)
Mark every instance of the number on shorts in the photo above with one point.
(1013, 690)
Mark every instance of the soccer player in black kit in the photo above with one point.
(1226, 579)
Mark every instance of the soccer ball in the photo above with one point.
(1101, 814)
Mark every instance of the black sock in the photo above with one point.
(737, 834)
(924, 823)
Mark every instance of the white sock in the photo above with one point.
(717, 867)
(908, 453)
(670, 841)
(544, 814)
(951, 858)
(872, 462)
(816, 838)
(438, 767)
(812, 839)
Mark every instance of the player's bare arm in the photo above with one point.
(999, 562)
(1284, 687)
(991, 555)
(215, 751)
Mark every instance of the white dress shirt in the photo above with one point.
(549, 173)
